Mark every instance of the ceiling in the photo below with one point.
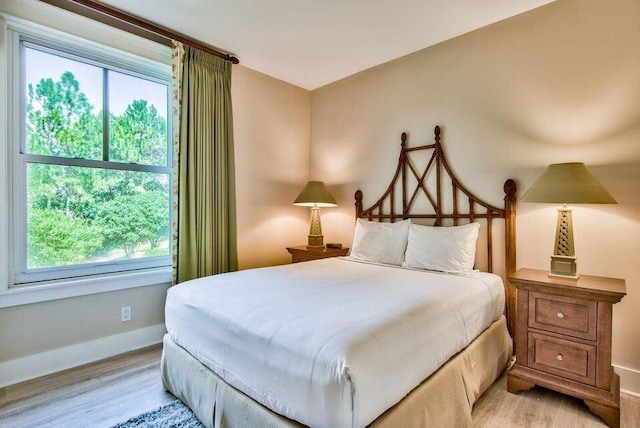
(313, 43)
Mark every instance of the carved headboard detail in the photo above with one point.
(437, 182)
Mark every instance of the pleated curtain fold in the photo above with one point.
(204, 239)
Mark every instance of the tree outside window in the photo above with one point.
(97, 173)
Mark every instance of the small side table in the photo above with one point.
(563, 338)
(301, 253)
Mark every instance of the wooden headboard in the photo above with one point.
(461, 204)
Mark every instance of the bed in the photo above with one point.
(366, 340)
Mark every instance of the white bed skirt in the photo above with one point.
(444, 399)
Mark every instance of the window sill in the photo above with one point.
(63, 289)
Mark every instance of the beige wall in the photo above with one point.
(560, 83)
(271, 127)
(39, 327)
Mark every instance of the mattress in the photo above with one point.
(331, 342)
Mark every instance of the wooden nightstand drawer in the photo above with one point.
(570, 360)
(564, 315)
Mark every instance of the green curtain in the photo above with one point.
(206, 224)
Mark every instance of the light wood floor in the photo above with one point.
(110, 391)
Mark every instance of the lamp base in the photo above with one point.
(564, 267)
(315, 241)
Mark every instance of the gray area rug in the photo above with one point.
(171, 415)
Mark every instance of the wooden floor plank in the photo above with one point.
(104, 393)
(113, 390)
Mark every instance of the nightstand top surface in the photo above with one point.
(319, 249)
(613, 288)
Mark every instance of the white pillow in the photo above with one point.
(380, 242)
(445, 249)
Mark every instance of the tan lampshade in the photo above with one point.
(315, 194)
(568, 183)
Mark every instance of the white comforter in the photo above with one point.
(333, 342)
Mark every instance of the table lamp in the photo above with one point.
(566, 183)
(315, 195)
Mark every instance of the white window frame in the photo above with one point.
(105, 57)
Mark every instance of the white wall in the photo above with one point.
(560, 83)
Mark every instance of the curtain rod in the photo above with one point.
(135, 25)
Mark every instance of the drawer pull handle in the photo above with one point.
(560, 357)
(560, 314)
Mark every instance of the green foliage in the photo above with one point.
(140, 125)
(60, 120)
(154, 252)
(155, 205)
(56, 239)
(129, 220)
(95, 209)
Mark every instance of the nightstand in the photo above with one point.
(563, 338)
(303, 254)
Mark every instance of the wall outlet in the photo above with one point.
(125, 313)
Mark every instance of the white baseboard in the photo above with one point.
(629, 380)
(44, 363)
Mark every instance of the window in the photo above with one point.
(91, 163)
